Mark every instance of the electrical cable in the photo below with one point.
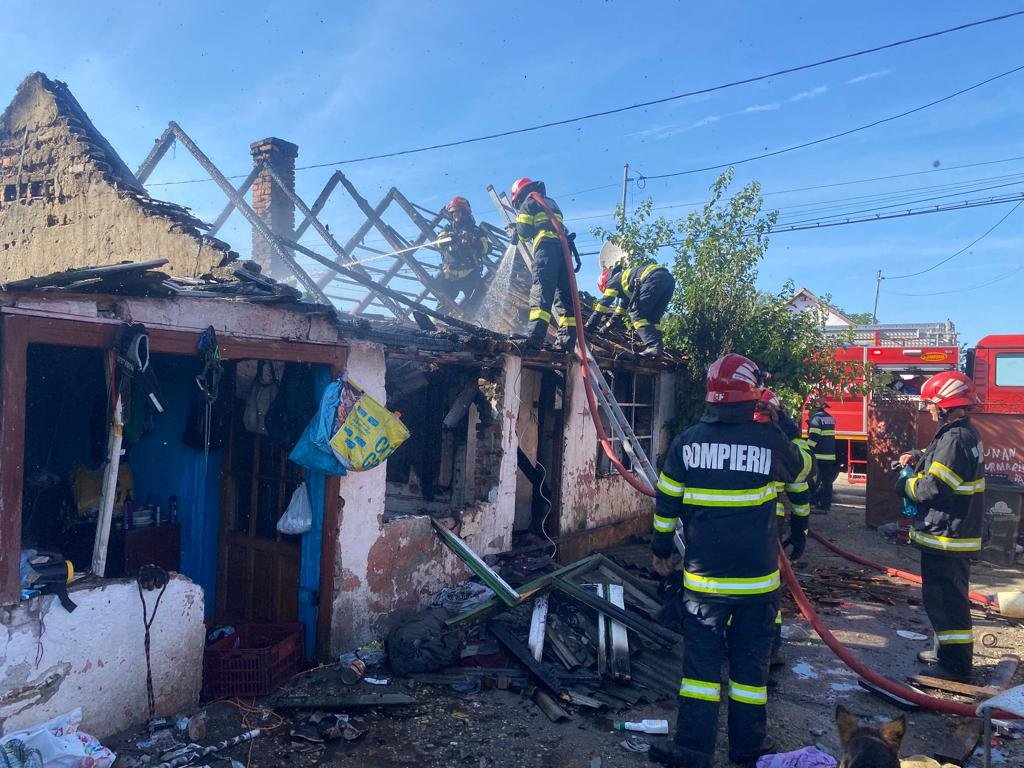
(986, 284)
(950, 258)
(841, 134)
(847, 657)
(644, 104)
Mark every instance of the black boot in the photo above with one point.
(670, 753)
(653, 352)
(536, 338)
(766, 748)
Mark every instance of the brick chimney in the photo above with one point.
(270, 203)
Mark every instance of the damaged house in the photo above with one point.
(502, 449)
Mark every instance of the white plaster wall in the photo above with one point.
(386, 567)
(52, 661)
(527, 433)
(589, 501)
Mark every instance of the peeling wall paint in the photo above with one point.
(52, 661)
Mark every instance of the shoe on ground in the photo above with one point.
(767, 747)
(928, 656)
(670, 753)
(953, 675)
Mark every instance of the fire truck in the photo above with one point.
(898, 356)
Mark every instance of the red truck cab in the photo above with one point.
(996, 365)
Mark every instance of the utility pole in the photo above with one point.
(625, 187)
(878, 287)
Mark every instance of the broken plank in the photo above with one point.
(549, 706)
(642, 626)
(951, 686)
(538, 623)
(959, 745)
(561, 650)
(476, 564)
(602, 635)
(618, 637)
(504, 635)
(634, 581)
(583, 700)
(341, 702)
(526, 591)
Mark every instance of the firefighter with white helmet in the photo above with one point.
(719, 480)
(641, 292)
(948, 487)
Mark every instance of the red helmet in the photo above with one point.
(602, 281)
(733, 379)
(459, 203)
(949, 389)
(763, 410)
(517, 188)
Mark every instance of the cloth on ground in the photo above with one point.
(808, 757)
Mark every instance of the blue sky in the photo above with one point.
(343, 80)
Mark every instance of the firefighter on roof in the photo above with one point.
(641, 292)
(769, 409)
(821, 437)
(550, 272)
(463, 248)
(719, 479)
(948, 486)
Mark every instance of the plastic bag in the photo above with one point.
(261, 397)
(368, 432)
(62, 745)
(313, 450)
(298, 518)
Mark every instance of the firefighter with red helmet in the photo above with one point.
(768, 410)
(719, 480)
(948, 486)
(643, 292)
(463, 247)
(550, 273)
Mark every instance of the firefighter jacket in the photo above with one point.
(622, 288)
(799, 488)
(463, 255)
(719, 479)
(821, 435)
(948, 485)
(532, 223)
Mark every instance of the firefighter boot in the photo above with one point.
(650, 335)
(670, 753)
(566, 339)
(535, 340)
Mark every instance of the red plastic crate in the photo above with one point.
(253, 661)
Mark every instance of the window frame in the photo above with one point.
(603, 467)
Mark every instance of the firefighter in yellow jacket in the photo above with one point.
(948, 486)
(720, 479)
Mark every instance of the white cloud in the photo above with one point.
(762, 108)
(811, 93)
(867, 76)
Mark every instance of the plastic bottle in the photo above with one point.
(644, 726)
(909, 507)
(129, 511)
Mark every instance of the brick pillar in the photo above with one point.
(270, 203)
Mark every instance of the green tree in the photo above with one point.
(717, 306)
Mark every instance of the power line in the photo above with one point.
(644, 104)
(966, 247)
(839, 135)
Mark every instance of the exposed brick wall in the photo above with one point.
(270, 203)
(489, 447)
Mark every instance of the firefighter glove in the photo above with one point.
(797, 537)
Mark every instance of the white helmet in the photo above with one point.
(610, 255)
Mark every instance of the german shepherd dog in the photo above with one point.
(868, 746)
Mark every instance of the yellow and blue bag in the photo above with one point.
(367, 431)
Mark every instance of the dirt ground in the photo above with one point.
(499, 728)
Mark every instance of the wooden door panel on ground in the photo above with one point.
(259, 567)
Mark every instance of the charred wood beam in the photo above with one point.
(242, 189)
(251, 216)
(618, 637)
(334, 245)
(318, 205)
(642, 626)
(396, 242)
(515, 646)
(156, 154)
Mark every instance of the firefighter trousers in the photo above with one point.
(551, 288)
(741, 633)
(649, 305)
(945, 582)
(828, 471)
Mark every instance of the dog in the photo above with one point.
(869, 746)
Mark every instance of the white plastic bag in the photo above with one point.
(298, 518)
(62, 745)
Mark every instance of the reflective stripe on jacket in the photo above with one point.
(622, 287)
(532, 222)
(821, 435)
(948, 485)
(719, 479)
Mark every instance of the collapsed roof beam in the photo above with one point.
(242, 190)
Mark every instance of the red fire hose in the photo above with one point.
(975, 597)
(581, 353)
(848, 658)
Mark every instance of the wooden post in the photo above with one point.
(99, 549)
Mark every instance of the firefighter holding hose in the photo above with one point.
(720, 479)
(948, 487)
(550, 272)
(463, 247)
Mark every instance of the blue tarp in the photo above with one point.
(312, 540)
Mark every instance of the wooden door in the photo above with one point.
(259, 567)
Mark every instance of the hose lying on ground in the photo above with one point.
(849, 659)
(975, 597)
